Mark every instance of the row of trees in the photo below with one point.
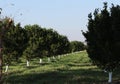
(30, 42)
(34, 41)
(102, 37)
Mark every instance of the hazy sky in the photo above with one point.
(68, 17)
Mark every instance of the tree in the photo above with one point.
(44, 42)
(32, 42)
(13, 44)
(102, 38)
(15, 40)
(5, 24)
(76, 46)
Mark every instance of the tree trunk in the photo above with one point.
(28, 63)
(53, 58)
(6, 69)
(58, 56)
(40, 61)
(110, 77)
(48, 59)
(0, 61)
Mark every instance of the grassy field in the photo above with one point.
(74, 68)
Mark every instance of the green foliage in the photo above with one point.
(76, 46)
(44, 42)
(102, 37)
(13, 43)
(31, 41)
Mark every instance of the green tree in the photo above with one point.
(32, 42)
(63, 44)
(102, 38)
(76, 46)
(13, 44)
(44, 42)
(5, 24)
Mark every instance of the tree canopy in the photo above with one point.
(76, 46)
(103, 38)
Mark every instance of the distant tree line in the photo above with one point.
(77, 46)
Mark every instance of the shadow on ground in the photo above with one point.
(61, 76)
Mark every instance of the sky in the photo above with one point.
(67, 17)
